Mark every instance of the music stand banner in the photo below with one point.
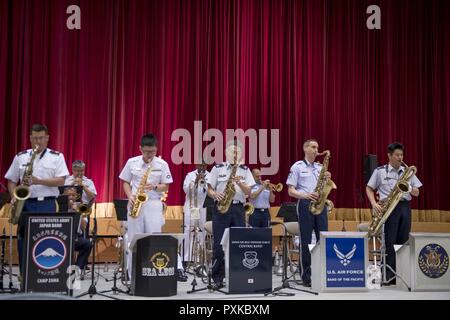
(48, 251)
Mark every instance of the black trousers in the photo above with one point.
(307, 223)
(396, 231)
(234, 217)
(84, 247)
(260, 218)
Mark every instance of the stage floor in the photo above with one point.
(385, 293)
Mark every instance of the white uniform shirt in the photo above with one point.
(385, 178)
(135, 169)
(303, 176)
(201, 190)
(262, 201)
(48, 164)
(87, 182)
(219, 176)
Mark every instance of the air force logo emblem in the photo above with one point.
(250, 260)
(344, 258)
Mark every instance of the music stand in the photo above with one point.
(288, 211)
(209, 204)
(4, 198)
(285, 280)
(121, 206)
(63, 198)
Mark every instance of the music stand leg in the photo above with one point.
(285, 281)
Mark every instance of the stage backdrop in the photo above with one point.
(307, 68)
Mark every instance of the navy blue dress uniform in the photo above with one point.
(398, 225)
(234, 217)
(48, 164)
(261, 216)
(303, 177)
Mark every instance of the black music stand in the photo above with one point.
(63, 199)
(285, 280)
(121, 206)
(4, 198)
(288, 211)
(209, 205)
(92, 288)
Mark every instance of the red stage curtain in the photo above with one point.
(307, 68)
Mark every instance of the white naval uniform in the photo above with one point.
(48, 164)
(150, 218)
(201, 196)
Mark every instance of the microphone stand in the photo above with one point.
(92, 289)
(285, 280)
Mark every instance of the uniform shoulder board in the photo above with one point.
(55, 152)
(243, 166)
(219, 165)
(380, 167)
(21, 153)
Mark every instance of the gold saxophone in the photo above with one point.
(323, 188)
(389, 204)
(22, 192)
(141, 195)
(229, 191)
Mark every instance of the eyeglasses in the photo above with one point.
(39, 138)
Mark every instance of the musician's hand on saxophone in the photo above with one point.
(312, 196)
(219, 196)
(414, 192)
(131, 199)
(377, 209)
(149, 187)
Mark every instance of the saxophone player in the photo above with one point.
(195, 188)
(398, 224)
(302, 180)
(49, 172)
(150, 218)
(261, 197)
(223, 175)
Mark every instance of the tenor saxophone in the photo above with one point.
(229, 191)
(323, 188)
(22, 192)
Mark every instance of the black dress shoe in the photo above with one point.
(218, 285)
(181, 275)
(307, 283)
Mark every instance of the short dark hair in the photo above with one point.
(149, 140)
(39, 127)
(306, 143)
(394, 146)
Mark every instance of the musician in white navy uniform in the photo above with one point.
(195, 188)
(302, 181)
(150, 218)
(235, 216)
(261, 197)
(49, 172)
(398, 225)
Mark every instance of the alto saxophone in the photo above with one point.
(141, 195)
(323, 188)
(22, 192)
(388, 205)
(229, 191)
